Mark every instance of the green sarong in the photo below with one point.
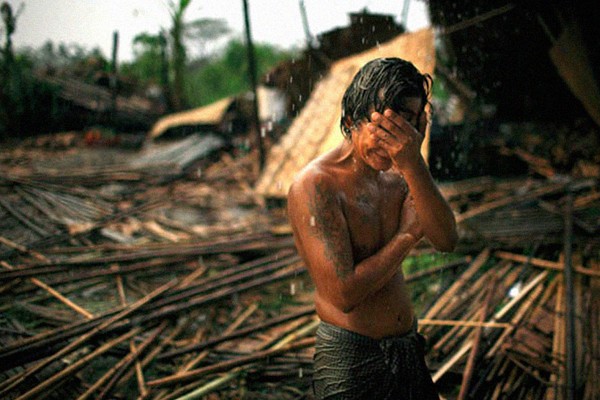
(351, 366)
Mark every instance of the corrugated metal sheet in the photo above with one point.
(316, 130)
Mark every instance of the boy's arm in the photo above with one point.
(403, 142)
(322, 238)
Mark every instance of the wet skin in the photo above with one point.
(358, 210)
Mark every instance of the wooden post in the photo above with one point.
(252, 75)
(113, 78)
(569, 298)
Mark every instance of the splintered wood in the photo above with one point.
(130, 280)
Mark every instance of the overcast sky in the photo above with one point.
(91, 23)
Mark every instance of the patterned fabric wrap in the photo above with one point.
(351, 366)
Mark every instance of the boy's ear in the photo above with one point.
(348, 123)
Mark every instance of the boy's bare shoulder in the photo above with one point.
(316, 175)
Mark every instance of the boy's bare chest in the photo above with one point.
(373, 218)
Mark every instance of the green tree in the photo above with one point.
(152, 65)
(148, 53)
(226, 73)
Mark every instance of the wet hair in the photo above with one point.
(382, 83)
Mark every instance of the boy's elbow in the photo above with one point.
(448, 244)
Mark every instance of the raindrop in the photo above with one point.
(300, 373)
(312, 220)
(291, 79)
(199, 172)
(299, 97)
(263, 132)
(293, 288)
(515, 290)
(279, 185)
(270, 125)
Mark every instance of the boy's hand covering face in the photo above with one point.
(398, 137)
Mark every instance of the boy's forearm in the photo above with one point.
(379, 268)
(434, 213)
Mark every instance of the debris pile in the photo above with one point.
(163, 276)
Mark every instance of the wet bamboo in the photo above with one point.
(471, 324)
(119, 370)
(148, 358)
(476, 264)
(42, 268)
(472, 360)
(88, 273)
(465, 306)
(239, 333)
(226, 279)
(138, 367)
(508, 200)
(22, 219)
(497, 316)
(23, 249)
(87, 336)
(218, 295)
(231, 328)
(17, 350)
(48, 240)
(71, 369)
(230, 364)
(55, 293)
(294, 332)
(283, 346)
(538, 262)
(516, 320)
(216, 383)
(556, 389)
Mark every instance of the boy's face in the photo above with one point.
(366, 144)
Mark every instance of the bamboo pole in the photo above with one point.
(87, 336)
(468, 373)
(47, 384)
(557, 389)
(497, 316)
(202, 355)
(516, 320)
(230, 364)
(211, 386)
(538, 262)
(470, 324)
(138, 367)
(119, 366)
(127, 361)
(476, 264)
(508, 200)
(55, 293)
(176, 331)
(239, 333)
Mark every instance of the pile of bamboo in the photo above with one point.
(500, 329)
(141, 316)
(111, 293)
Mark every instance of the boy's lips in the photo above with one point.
(381, 153)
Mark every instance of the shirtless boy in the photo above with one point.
(356, 212)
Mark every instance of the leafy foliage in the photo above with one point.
(226, 74)
(147, 66)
